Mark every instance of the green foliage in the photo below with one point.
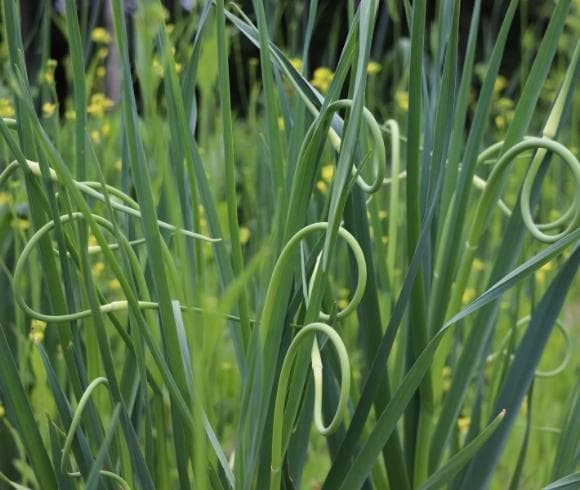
(191, 258)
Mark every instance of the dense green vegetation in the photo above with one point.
(360, 273)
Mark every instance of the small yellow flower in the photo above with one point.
(500, 122)
(95, 137)
(500, 83)
(382, 214)
(468, 295)
(321, 78)
(281, 125)
(37, 329)
(244, 234)
(100, 35)
(321, 186)
(5, 198)
(6, 107)
(102, 53)
(446, 372)
(178, 67)
(373, 68)
(342, 303)
(21, 224)
(98, 269)
(297, 63)
(98, 104)
(402, 99)
(327, 172)
(48, 109)
(157, 67)
(478, 265)
(70, 115)
(101, 71)
(114, 284)
(463, 424)
(2, 411)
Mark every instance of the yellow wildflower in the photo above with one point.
(102, 53)
(98, 104)
(478, 265)
(373, 68)
(5, 198)
(322, 78)
(500, 83)
(402, 99)
(114, 284)
(244, 234)
(101, 71)
(2, 411)
(463, 424)
(382, 214)
(37, 331)
(6, 107)
(48, 109)
(281, 124)
(98, 269)
(321, 186)
(157, 67)
(100, 35)
(21, 224)
(342, 303)
(500, 122)
(297, 63)
(95, 137)
(70, 115)
(468, 295)
(327, 172)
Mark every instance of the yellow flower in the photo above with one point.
(281, 124)
(327, 172)
(37, 329)
(5, 198)
(157, 67)
(70, 115)
(102, 53)
(98, 104)
(373, 68)
(382, 214)
(342, 303)
(478, 265)
(21, 224)
(468, 295)
(6, 107)
(321, 186)
(463, 424)
(244, 234)
(114, 284)
(100, 35)
(322, 78)
(402, 99)
(48, 109)
(297, 63)
(95, 137)
(2, 411)
(98, 269)
(500, 122)
(500, 83)
(101, 72)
